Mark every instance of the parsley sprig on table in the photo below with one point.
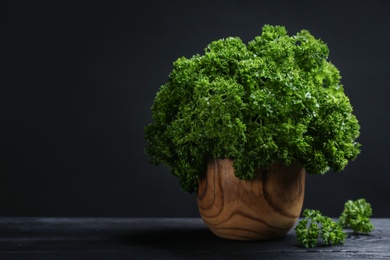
(356, 215)
(275, 99)
(314, 225)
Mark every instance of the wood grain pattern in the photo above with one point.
(261, 209)
(117, 238)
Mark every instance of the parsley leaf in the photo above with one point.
(356, 215)
(315, 225)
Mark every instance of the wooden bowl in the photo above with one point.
(264, 208)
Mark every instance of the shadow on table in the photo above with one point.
(194, 241)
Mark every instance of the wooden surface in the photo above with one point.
(149, 238)
(266, 207)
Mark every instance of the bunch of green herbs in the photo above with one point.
(275, 99)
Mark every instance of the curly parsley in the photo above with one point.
(315, 225)
(277, 98)
(356, 215)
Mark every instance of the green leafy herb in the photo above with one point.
(307, 230)
(315, 225)
(356, 215)
(275, 99)
(332, 232)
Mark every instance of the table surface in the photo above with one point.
(165, 238)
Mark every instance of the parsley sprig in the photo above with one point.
(314, 225)
(356, 215)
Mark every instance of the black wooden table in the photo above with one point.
(159, 238)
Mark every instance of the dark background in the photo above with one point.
(78, 80)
